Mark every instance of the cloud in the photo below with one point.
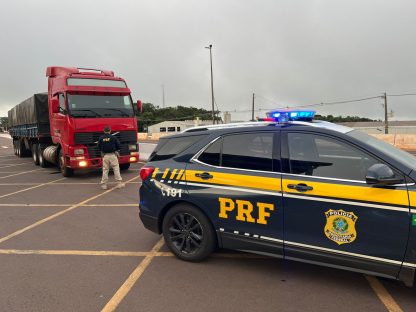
(287, 52)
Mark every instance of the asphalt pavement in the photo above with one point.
(67, 245)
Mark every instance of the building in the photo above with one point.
(176, 126)
(377, 127)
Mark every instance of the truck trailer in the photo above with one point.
(62, 127)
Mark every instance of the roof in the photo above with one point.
(315, 123)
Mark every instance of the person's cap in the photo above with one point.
(107, 129)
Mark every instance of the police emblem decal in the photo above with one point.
(340, 226)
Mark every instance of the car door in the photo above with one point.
(236, 181)
(331, 215)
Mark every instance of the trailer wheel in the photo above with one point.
(66, 172)
(35, 154)
(15, 147)
(124, 166)
(42, 161)
(20, 149)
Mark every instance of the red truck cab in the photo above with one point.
(81, 103)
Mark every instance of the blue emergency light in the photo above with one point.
(290, 115)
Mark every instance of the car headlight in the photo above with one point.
(79, 151)
(132, 147)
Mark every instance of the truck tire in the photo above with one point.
(35, 154)
(188, 233)
(66, 172)
(42, 161)
(15, 147)
(21, 149)
(124, 166)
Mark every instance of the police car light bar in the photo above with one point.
(289, 115)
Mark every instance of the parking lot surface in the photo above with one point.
(67, 245)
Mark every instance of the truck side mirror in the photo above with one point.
(139, 106)
(55, 105)
(381, 174)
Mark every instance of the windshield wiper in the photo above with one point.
(87, 110)
(119, 110)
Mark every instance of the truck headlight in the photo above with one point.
(79, 151)
(132, 147)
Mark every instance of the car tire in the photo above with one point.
(35, 154)
(66, 172)
(124, 166)
(188, 233)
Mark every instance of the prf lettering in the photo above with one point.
(245, 210)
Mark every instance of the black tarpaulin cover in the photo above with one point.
(34, 110)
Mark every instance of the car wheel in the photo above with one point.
(124, 166)
(35, 154)
(66, 172)
(188, 233)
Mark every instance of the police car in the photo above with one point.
(289, 187)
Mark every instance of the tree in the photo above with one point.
(152, 114)
(4, 122)
(332, 118)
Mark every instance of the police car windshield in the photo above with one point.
(384, 147)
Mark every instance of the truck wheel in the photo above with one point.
(188, 233)
(35, 154)
(66, 172)
(124, 166)
(42, 161)
(21, 150)
(15, 147)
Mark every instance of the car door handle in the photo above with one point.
(301, 187)
(204, 175)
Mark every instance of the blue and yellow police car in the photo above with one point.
(289, 187)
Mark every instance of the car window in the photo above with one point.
(170, 147)
(321, 156)
(211, 155)
(248, 151)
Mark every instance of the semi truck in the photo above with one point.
(62, 126)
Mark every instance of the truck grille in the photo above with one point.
(90, 139)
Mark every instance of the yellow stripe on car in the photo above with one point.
(352, 192)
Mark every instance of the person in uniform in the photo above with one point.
(109, 147)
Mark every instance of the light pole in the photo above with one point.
(212, 82)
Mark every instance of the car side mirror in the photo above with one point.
(381, 174)
(55, 105)
(139, 106)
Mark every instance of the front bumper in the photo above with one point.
(86, 163)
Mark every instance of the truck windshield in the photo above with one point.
(93, 106)
(390, 150)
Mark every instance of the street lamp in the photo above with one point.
(212, 82)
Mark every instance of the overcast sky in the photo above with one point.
(293, 52)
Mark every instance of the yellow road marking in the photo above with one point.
(31, 188)
(118, 253)
(132, 279)
(56, 214)
(19, 173)
(76, 252)
(67, 205)
(65, 183)
(383, 294)
(14, 165)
